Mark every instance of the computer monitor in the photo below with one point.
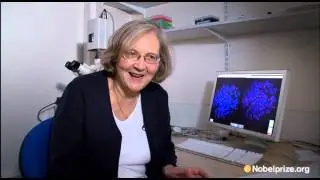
(250, 102)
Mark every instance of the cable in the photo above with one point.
(46, 107)
(104, 14)
(306, 145)
(53, 105)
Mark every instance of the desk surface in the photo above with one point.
(277, 154)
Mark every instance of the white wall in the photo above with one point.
(197, 61)
(188, 89)
(37, 39)
(195, 65)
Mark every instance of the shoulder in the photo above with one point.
(88, 80)
(155, 89)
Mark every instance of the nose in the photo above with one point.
(140, 64)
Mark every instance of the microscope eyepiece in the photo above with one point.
(73, 66)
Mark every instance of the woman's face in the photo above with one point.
(138, 65)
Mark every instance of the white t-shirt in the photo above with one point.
(135, 152)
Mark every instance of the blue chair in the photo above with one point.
(33, 155)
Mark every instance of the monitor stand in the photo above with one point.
(254, 144)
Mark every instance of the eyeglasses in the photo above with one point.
(133, 55)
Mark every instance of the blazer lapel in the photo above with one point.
(149, 119)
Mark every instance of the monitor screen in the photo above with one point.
(247, 101)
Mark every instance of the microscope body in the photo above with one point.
(99, 31)
(83, 68)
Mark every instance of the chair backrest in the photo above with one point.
(33, 156)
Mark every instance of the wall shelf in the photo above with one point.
(133, 8)
(270, 23)
(126, 7)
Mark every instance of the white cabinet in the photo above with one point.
(286, 17)
(282, 17)
(248, 10)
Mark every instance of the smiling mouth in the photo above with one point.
(136, 75)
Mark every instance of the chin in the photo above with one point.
(137, 87)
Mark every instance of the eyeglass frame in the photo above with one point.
(158, 58)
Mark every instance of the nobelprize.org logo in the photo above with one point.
(247, 168)
(275, 169)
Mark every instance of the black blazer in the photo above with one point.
(85, 140)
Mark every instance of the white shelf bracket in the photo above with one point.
(226, 48)
(226, 6)
(226, 56)
(216, 34)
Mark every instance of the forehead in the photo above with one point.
(146, 43)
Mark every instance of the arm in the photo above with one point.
(65, 152)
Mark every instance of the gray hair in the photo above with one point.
(122, 39)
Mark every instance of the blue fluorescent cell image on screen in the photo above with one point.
(260, 100)
(226, 100)
(249, 102)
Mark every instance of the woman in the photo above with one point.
(116, 122)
